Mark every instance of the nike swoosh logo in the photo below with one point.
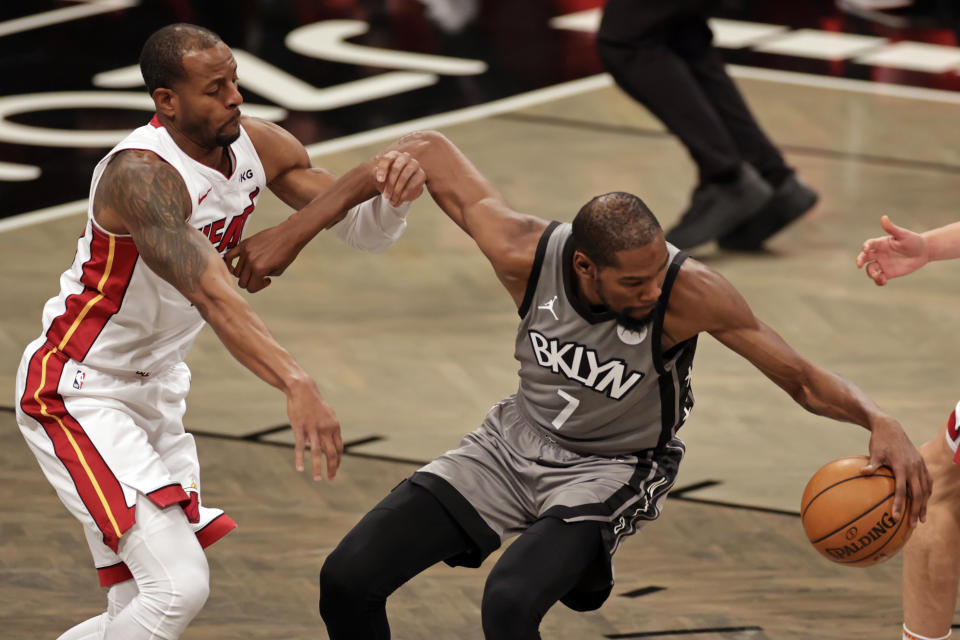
(204, 196)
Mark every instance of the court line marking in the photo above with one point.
(256, 439)
(851, 85)
(534, 98)
(643, 591)
(43, 215)
(663, 134)
(678, 493)
(86, 9)
(681, 632)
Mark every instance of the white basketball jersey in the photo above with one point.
(113, 312)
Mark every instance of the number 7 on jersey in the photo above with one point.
(563, 416)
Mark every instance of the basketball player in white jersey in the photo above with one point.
(586, 450)
(100, 394)
(931, 558)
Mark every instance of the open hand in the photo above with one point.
(313, 422)
(892, 256)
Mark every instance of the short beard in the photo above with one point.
(635, 324)
(225, 141)
(627, 321)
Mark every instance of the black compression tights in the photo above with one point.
(409, 531)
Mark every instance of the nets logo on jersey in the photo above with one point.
(581, 364)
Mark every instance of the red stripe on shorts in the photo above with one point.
(218, 527)
(97, 486)
(114, 574)
(171, 494)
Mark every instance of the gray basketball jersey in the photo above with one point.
(594, 386)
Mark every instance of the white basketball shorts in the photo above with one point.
(103, 439)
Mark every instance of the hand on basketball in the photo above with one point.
(264, 254)
(398, 176)
(315, 424)
(890, 446)
(892, 256)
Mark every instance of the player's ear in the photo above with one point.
(583, 265)
(166, 101)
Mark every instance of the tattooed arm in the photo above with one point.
(141, 195)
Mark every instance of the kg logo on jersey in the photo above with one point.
(581, 364)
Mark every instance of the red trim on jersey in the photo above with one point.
(114, 574)
(218, 527)
(171, 494)
(155, 122)
(105, 278)
(96, 484)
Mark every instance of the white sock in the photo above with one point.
(910, 635)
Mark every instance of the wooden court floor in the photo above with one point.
(411, 347)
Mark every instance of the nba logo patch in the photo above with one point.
(78, 379)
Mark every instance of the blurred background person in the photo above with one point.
(661, 53)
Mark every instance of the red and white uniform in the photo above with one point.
(101, 393)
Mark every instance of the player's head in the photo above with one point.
(620, 253)
(192, 77)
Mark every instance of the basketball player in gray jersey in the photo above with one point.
(586, 450)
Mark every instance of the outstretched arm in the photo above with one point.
(141, 195)
(507, 238)
(703, 300)
(904, 251)
(350, 205)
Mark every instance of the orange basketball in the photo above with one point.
(849, 517)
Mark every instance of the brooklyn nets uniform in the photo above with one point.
(590, 433)
(102, 392)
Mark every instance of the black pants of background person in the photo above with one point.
(661, 53)
(410, 531)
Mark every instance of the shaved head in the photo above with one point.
(612, 222)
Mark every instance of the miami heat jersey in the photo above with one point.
(113, 312)
(593, 385)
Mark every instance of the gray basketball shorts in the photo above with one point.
(507, 474)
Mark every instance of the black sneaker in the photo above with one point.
(718, 208)
(791, 200)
